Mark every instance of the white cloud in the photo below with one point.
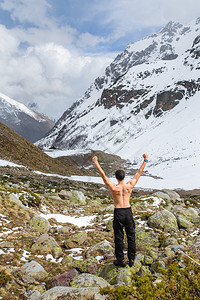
(34, 12)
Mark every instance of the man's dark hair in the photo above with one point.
(120, 174)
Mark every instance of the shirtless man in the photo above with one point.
(122, 214)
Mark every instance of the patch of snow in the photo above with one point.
(60, 218)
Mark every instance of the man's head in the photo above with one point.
(120, 174)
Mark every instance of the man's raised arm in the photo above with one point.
(106, 180)
(139, 172)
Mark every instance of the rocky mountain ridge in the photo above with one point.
(149, 86)
(26, 122)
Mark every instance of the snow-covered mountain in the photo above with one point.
(147, 101)
(18, 117)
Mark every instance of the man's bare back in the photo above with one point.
(122, 191)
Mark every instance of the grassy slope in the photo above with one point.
(15, 148)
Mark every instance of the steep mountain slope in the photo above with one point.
(147, 100)
(15, 148)
(31, 125)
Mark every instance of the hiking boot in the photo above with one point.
(118, 263)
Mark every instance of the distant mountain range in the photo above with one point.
(28, 123)
(147, 100)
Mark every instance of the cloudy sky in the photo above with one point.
(52, 50)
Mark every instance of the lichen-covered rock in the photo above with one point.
(189, 214)
(73, 196)
(31, 295)
(174, 196)
(196, 247)
(109, 272)
(32, 272)
(63, 279)
(169, 241)
(157, 265)
(163, 220)
(146, 239)
(163, 195)
(46, 244)
(14, 198)
(76, 239)
(67, 260)
(64, 230)
(39, 224)
(89, 280)
(70, 293)
(183, 223)
(124, 276)
(89, 265)
(103, 248)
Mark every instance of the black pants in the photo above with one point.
(123, 217)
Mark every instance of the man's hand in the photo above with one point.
(145, 156)
(95, 159)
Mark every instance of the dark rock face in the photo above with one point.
(166, 101)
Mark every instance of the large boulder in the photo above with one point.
(89, 265)
(32, 272)
(103, 248)
(189, 214)
(164, 220)
(76, 240)
(46, 244)
(163, 195)
(146, 239)
(109, 272)
(174, 196)
(76, 197)
(70, 293)
(89, 280)
(14, 198)
(183, 223)
(39, 224)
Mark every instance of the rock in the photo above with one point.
(73, 196)
(196, 247)
(62, 279)
(157, 265)
(163, 195)
(30, 295)
(89, 265)
(146, 239)
(109, 225)
(103, 248)
(5, 244)
(76, 240)
(163, 220)
(174, 196)
(169, 241)
(46, 244)
(32, 272)
(89, 280)
(64, 230)
(16, 200)
(124, 276)
(109, 272)
(185, 224)
(148, 260)
(65, 195)
(109, 208)
(39, 224)
(144, 270)
(67, 260)
(189, 214)
(70, 293)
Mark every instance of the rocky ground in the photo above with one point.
(43, 258)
